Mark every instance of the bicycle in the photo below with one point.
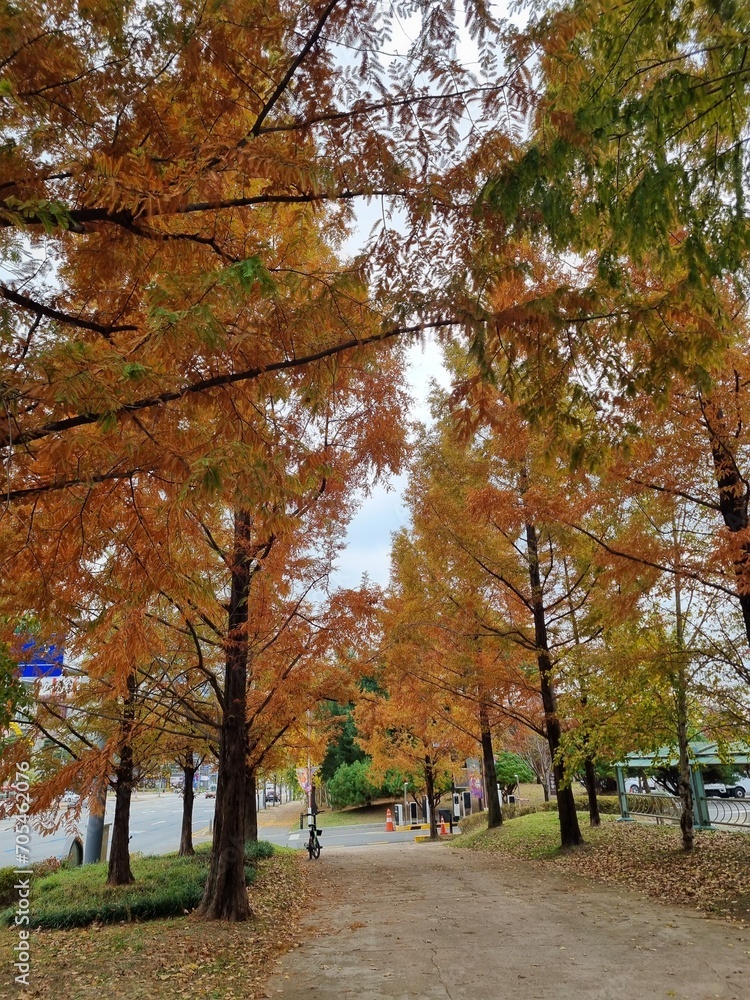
(313, 844)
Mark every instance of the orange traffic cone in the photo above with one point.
(389, 827)
(443, 828)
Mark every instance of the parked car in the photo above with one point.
(211, 793)
(71, 798)
(271, 796)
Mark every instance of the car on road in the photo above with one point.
(271, 797)
(71, 798)
(738, 788)
(211, 793)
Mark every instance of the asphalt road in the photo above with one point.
(155, 822)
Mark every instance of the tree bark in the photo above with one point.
(225, 895)
(733, 499)
(494, 810)
(679, 681)
(188, 799)
(570, 833)
(429, 780)
(590, 779)
(588, 764)
(119, 872)
(251, 806)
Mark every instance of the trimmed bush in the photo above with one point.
(258, 850)
(165, 886)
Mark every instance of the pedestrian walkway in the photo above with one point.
(427, 922)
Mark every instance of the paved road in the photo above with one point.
(155, 822)
(366, 835)
(426, 922)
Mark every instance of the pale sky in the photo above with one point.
(369, 536)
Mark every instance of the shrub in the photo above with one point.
(165, 886)
(351, 785)
(474, 822)
(8, 878)
(258, 850)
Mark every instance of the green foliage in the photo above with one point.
(258, 850)
(342, 750)
(640, 136)
(510, 769)
(246, 272)
(351, 785)
(393, 783)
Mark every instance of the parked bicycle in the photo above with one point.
(313, 844)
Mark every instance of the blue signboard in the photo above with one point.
(37, 659)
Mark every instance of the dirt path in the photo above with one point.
(424, 922)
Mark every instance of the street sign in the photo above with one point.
(38, 659)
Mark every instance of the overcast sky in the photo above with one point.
(369, 536)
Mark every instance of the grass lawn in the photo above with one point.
(171, 958)
(714, 877)
(355, 815)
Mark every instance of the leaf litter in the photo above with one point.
(174, 958)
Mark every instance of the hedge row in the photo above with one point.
(165, 886)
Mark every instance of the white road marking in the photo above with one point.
(295, 836)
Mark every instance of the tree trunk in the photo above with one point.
(733, 499)
(186, 836)
(570, 833)
(429, 780)
(679, 681)
(494, 811)
(687, 813)
(251, 807)
(588, 766)
(590, 778)
(119, 872)
(225, 895)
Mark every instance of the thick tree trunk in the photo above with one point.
(590, 778)
(186, 835)
(494, 810)
(119, 872)
(429, 780)
(733, 499)
(225, 895)
(251, 807)
(570, 833)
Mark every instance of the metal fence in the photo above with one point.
(711, 812)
